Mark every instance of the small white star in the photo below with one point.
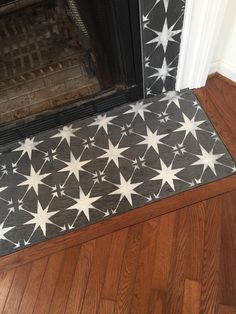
(190, 126)
(167, 174)
(163, 72)
(152, 139)
(172, 97)
(102, 121)
(208, 160)
(126, 189)
(139, 109)
(3, 231)
(34, 180)
(74, 166)
(66, 133)
(41, 218)
(165, 36)
(27, 146)
(84, 203)
(113, 153)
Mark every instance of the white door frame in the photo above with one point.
(201, 29)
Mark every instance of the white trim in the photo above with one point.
(214, 67)
(202, 24)
(227, 70)
(184, 42)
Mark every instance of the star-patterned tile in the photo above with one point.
(162, 23)
(93, 169)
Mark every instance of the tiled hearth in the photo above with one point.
(93, 169)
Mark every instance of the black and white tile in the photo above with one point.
(162, 22)
(67, 178)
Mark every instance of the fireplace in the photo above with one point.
(62, 60)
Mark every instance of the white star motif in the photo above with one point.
(84, 203)
(3, 231)
(163, 72)
(41, 218)
(190, 126)
(74, 166)
(167, 174)
(3, 188)
(34, 180)
(27, 146)
(152, 139)
(165, 36)
(139, 109)
(166, 4)
(172, 97)
(113, 153)
(102, 121)
(126, 189)
(66, 133)
(208, 160)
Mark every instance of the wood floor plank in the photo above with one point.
(129, 269)
(62, 289)
(211, 261)
(48, 284)
(227, 309)
(192, 297)
(106, 307)
(228, 250)
(111, 282)
(97, 275)
(157, 302)
(163, 249)
(178, 264)
(17, 289)
(33, 285)
(143, 281)
(6, 279)
(80, 280)
(195, 242)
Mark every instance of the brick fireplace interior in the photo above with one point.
(58, 53)
(50, 55)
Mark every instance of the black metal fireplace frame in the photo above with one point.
(127, 18)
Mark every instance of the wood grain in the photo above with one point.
(33, 285)
(6, 279)
(49, 282)
(80, 280)
(192, 297)
(17, 289)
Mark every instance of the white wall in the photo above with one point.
(224, 60)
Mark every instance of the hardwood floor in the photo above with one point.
(175, 256)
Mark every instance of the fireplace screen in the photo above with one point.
(58, 53)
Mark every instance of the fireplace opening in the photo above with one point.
(56, 56)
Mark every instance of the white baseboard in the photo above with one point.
(214, 67)
(227, 70)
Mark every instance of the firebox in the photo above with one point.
(62, 60)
